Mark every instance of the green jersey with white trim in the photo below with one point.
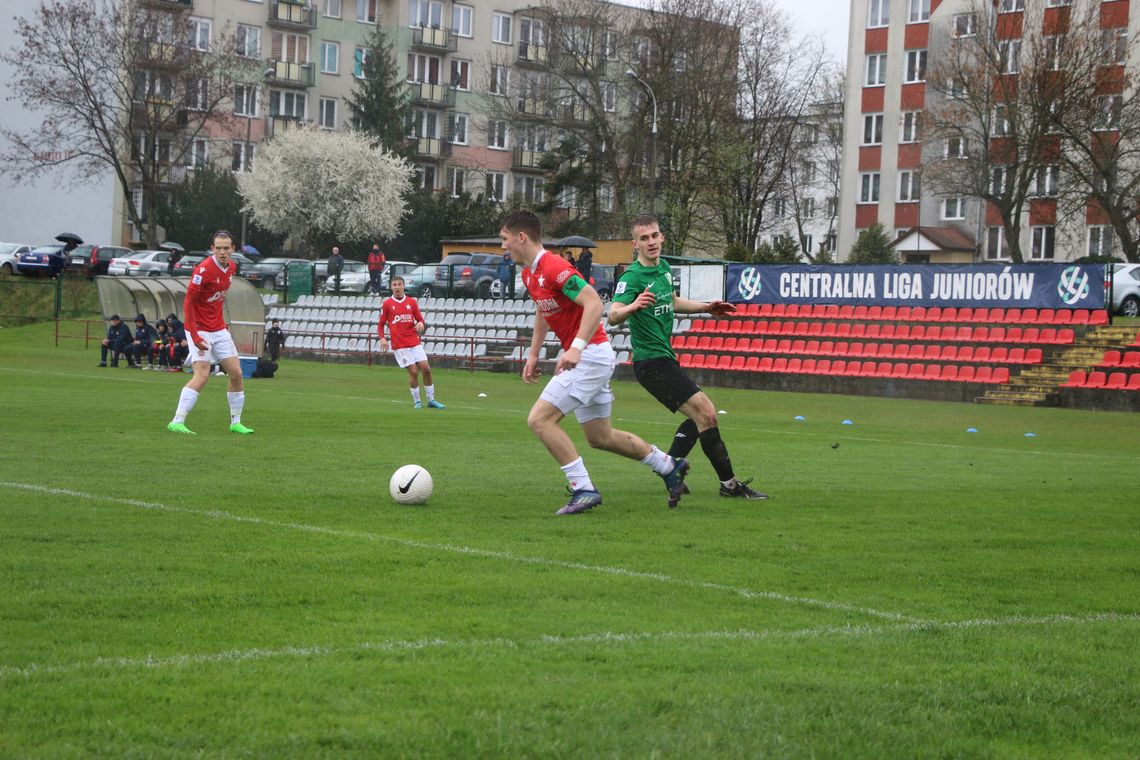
(650, 329)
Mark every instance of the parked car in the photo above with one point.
(1126, 289)
(270, 273)
(353, 277)
(419, 282)
(602, 278)
(188, 261)
(243, 262)
(93, 260)
(139, 264)
(47, 260)
(467, 274)
(10, 256)
(321, 268)
(394, 267)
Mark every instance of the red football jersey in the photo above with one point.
(401, 318)
(546, 284)
(206, 295)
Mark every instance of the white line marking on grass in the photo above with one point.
(474, 552)
(604, 637)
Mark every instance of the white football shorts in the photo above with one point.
(220, 345)
(406, 357)
(585, 390)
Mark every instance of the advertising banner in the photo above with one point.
(1057, 286)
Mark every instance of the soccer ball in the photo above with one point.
(411, 484)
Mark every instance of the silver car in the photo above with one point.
(1125, 289)
(140, 264)
(9, 255)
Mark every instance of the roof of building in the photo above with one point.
(942, 238)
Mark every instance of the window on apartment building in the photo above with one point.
(457, 128)
(915, 66)
(1114, 46)
(832, 170)
(908, 186)
(1045, 181)
(1054, 50)
(425, 177)
(245, 100)
(501, 28)
(869, 187)
(461, 74)
(955, 147)
(327, 118)
(498, 134)
(807, 171)
(290, 104)
(807, 208)
(1043, 239)
(955, 89)
(1001, 125)
(427, 13)
(919, 11)
(500, 79)
(151, 86)
(497, 186)
(360, 61)
(876, 70)
(872, 129)
(462, 20)
(1009, 6)
(879, 13)
(200, 34)
(242, 156)
(997, 247)
(532, 138)
(456, 181)
(965, 24)
(911, 130)
(806, 242)
(609, 96)
(366, 11)
(248, 41)
(197, 94)
(808, 134)
(954, 208)
(1101, 239)
(423, 68)
(293, 48)
(330, 57)
(610, 45)
(1009, 56)
(999, 175)
(532, 189)
(832, 207)
(197, 153)
(1057, 3)
(1109, 107)
(779, 207)
(332, 8)
(423, 122)
(641, 50)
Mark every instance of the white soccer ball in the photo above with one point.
(411, 484)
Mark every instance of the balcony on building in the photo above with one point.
(533, 106)
(289, 74)
(173, 5)
(434, 39)
(528, 160)
(292, 15)
(533, 55)
(277, 123)
(432, 95)
(574, 113)
(154, 54)
(431, 148)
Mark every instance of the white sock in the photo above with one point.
(186, 402)
(430, 392)
(661, 462)
(237, 401)
(416, 394)
(577, 476)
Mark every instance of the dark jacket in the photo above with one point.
(336, 264)
(274, 338)
(177, 331)
(585, 264)
(119, 333)
(145, 333)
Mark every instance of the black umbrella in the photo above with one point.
(577, 241)
(172, 247)
(69, 237)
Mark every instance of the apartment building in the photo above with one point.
(893, 43)
(452, 56)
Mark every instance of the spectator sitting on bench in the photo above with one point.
(141, 345)
(117, 342)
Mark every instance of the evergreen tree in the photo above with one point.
(380, 101)
(873, 247)
(207, 202)
(433, 216)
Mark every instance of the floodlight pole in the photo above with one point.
(652, 142)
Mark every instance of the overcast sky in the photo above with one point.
(826, 18)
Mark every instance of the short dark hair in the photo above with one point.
(393, 278)
(221, 234)
(644, 220)
(526, 222)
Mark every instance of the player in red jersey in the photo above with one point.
(400, 313)
(570, 307)
(210, 339)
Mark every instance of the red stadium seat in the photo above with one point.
(1033, 356)
(1080, 316)
(769, 345)
(830, 329)
(860, 312)
(780, 365)
(982, 354)
(765, 310)
(979, 334)
(966, 374)
(982, 314)
(839, 367)
(686, 360)
(1077, 379)
(1013, 335)
(1096, 379)
(826, 348)
(874, 312)
(808, 367)
(949, 353)
(1063, 316)
(1017, 355)
(966, 314)
(794, 365)
(729, 344)
(1110, 359)
(752, 364)
(902, 314)
(798, 346)
(843, 329)
(1098, 317)
(737, 362)
(1116, 381)
(1048, 335)
(965, 353)
(962, 334)
(887, 331)
(933, 372)
(1031, 335)
(931, 352)
(888, 312)
(858, 330)
(778, 310)
(950, 314)
(700, 325)
(815, 328)
(831, 312)
(704, 343)
(1066, 335)
(1130, 359)
(817, 311)
(722, 326)
(812, 347)
(1133, 382)
(949, 373)
(765, 364)
(934, 314)
(846, 311)
(716, 343)
(916, 371)
(1044, 317)
(1001, 375)
(784, 346)
(984, 374)
(916, 351)
(1012, 316)
(1000, 355)
(748, 310)
(997, 334)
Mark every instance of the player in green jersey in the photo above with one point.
(644, 296)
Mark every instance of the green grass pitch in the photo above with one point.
(915, 591)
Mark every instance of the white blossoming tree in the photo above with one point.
(308, 182)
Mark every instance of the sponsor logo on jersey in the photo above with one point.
(620, 288)
(196, 279)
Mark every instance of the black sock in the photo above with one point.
(715, 450)
(684, 439)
